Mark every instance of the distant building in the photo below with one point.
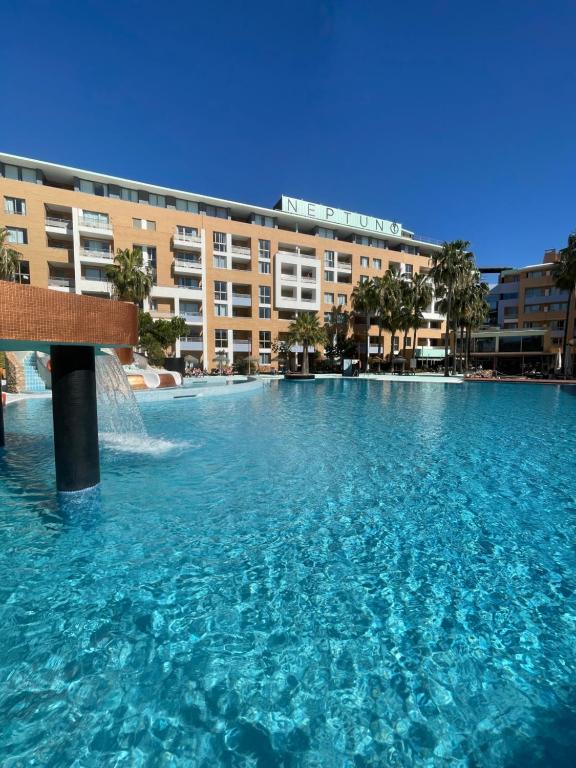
(526, 323)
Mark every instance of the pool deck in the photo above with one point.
(520, 380)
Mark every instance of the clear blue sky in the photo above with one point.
(457, 118)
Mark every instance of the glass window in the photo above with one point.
(188, 282)
(220, 261)
(263, 221)
(219, 240)
(329, 259)
(265, 339)
(15, 205)
(407, 341)
(377, 263)
(17, 235)
(342, 299)
(12, 172)
(96, 219)
(264, 267)
(510, 343)
(328, 298)
(408, 269)
(28, 174)
(264, 313)
(216, 211)
(221, 310)
(265, 358)
(263, 249)
(220, 290)
(364, 261)
(221, 337)
(137, 223)
(329, 277)
(264, 294)
(188, 231)
(363, 278)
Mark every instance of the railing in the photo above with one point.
(425, 239)
(243, 299)
(308, 301)
(91, 253)
(308, 279)
(182, 237)
(242, 345)
(87, 221)
(188, 263)
(344, 266)
(239, 250)
(51, 221)
(288, 277)
(62, 282)
(191, 317)
(157, 315)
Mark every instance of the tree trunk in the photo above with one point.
(305, 358)
(468, 344)
(570, 296)
(455, 334)
(461, 347)
(414, 341)
(447, 336)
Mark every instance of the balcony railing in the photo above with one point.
(91, 253)
(242, 299)
(242, 345)
(240, 250)
(96, 224)
(62, 282)
(191, 317)
(308, 279)
(52, 221)
(288, 277)
(188, 263)
(159, 315)
(190, 239)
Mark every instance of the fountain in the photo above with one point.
(119, 417)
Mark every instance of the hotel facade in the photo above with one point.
(236, 273)
(527, 320)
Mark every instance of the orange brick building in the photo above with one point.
(237, 273)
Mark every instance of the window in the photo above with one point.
(408, 270)
(263, 221)
(214, 210)
(264, 267)
(221, 338)
(187, 231)
(407, 341)
(15, 205)
(534, 292)
(528, 308)
(18, 174)
(364, 261)
(328, 298)
(265, 358)
(188, 282)
(219, 240)
(220, 291)
(99, 246)
(94, 273)
(329, 259)
(144, 224)
(265, 338)
(558, 307)
(377, 263)
(220, 261)
(221, 310)
(329, 277)
(148, 254)
(182, 205)
(363, 278)
(264, 313)
(95, 219)
(263, 249)
(396, 343)
(22, 274)
(329, 234)
(264, 294)
(16, 235)
(342, 299)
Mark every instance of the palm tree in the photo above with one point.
(419, 297)
(132, 280)
(9, 257)
(565, 279)
(447, 268)
(388, 292)
(336, 329)
(307, 331)
(476, 313)
(364, 304)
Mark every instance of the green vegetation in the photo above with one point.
(307, 331)
(156, 335)
(132, 280)
(565, 279)
(9, 257)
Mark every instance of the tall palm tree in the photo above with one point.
(364, 305)
(307, 331)
(132, 280)
(336, 329)
(476, 314)
(388, 295)
(565, 279)
(9, 257)
(448, 265)
(419, 297)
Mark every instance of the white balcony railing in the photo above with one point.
(189, 239)
(94, 253)
(62, 282)
(195, 264)
(240, 250)
(288, 277)
(191, 317)
(56, 223)
(241, 300)
(96, 224)
(308, 279)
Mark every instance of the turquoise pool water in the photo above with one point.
(343, 573)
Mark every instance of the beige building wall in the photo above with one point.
(54, 252)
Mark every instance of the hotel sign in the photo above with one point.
(339, 217)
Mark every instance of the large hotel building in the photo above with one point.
(237, 273)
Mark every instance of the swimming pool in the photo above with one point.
(344, 573)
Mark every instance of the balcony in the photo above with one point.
(191, 344)
(192, 318)
(187, 241)
(161, 315)
(242, 345)
(289, 277)
(93, 285)
(55, 226)
(241, 300)
(240, 252)
(95, 256)
(309, 279)
(91, 225)
(344, 266)
(174, 291)
(187, 266)
(64, 284)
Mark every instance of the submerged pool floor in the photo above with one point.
(338, 573)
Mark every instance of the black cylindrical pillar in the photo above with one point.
(2, 440)
(75, 417)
